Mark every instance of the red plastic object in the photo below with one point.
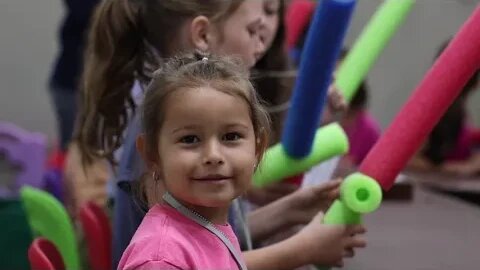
(429, 101)
(98, 234)
(295, 180)
(43, 255)
(297, 18)
(56, 160)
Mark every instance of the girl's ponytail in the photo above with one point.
(114, 56)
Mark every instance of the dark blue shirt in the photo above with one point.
(72, 39)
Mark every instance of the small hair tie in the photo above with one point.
(205, 59)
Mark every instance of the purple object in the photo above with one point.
(28, 151)
(53, 183)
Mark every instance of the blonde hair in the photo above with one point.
(123, 41)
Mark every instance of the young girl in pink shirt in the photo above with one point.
(205, 131)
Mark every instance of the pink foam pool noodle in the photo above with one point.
(432, 97)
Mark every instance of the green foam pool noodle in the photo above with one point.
(276, 165)
(370, 44)
(359, 194)
(339, 214)
(47, 217)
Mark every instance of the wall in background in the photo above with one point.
(28, 33)
(411, 51)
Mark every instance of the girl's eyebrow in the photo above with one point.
(237, 125)
(192, 127)
(187, 127)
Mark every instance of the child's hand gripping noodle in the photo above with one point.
(354, 69)
(332, 243)
(302, 146)
(360, 193)
(351, 73)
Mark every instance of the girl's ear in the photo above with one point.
(141, 148)
(201, 33)
(261, 145)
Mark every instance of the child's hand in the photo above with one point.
(305, 203)
(84, 184)
(458, 169)
(336, 103)
(328, 245)
(467, 168)
(336, 100)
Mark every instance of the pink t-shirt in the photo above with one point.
(362, 134)
(466, 143)
(462, 149)
(168, 240)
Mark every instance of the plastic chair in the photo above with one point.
(43, 255)
(48, 218)
(98, 235)
(15, 235)
(24, 149)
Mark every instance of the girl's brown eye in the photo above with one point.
(232, 136)
(189, 139)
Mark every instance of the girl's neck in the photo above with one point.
(216, 215)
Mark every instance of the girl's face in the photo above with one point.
(271, 11)
(206, 147)
(240, 33)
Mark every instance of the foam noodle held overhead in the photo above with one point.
(429, 101)
(373, 39)
(322, 47)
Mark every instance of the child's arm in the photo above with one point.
(317, 244)
(265, 195)
(84, 184)
(297, 208)
(420, 163)
(466, 167)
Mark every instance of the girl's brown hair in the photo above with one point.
(445, 135)
(125, 39)
(195, 71)
(273, 78)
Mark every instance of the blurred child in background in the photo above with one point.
(452, 145)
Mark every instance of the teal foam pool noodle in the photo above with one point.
(276, 165)
(373, 39)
